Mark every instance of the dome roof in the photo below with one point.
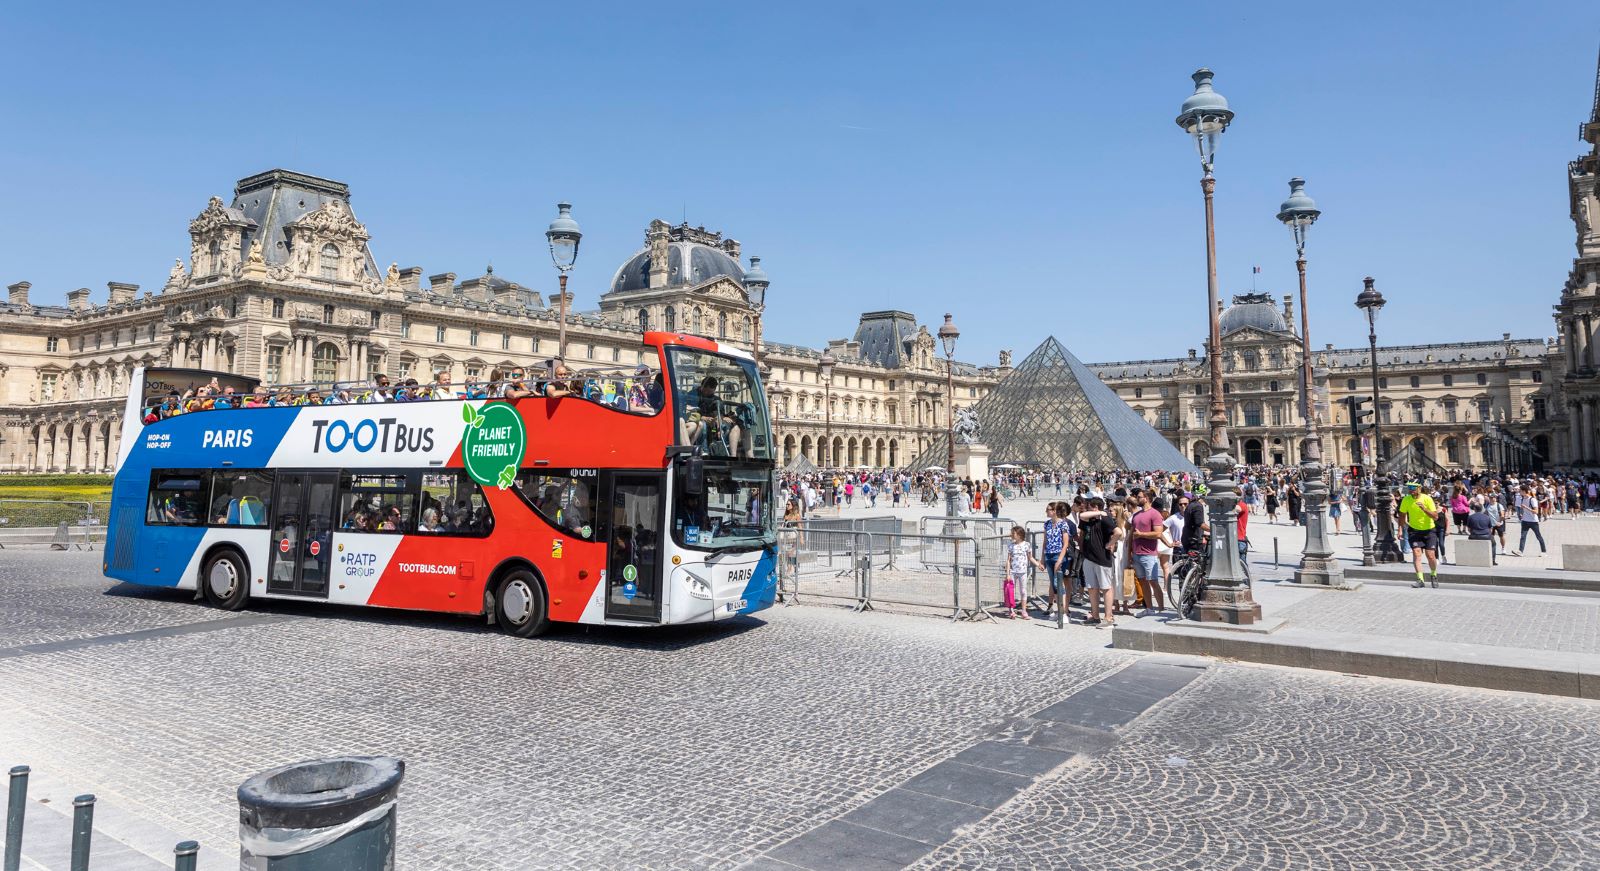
(1253, 310)
(704, 263)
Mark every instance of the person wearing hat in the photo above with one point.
(1421, 514)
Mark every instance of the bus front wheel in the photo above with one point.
(520, 605)
(224, 581)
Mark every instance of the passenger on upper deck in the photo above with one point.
(516, 386)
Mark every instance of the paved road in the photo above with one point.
(717, 747)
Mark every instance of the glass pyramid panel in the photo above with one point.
(1052, 411)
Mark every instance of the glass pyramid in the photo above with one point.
(1053, 412)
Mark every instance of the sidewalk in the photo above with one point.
(1496, 638)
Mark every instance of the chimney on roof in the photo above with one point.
(411, 278)
(1219, 306)
(732, 247)
(1191, 354)
(78, 300)
(509, 294)
(442, 284)
(19, 293)
(1328, 347)
(120, 292)
(1288, 310)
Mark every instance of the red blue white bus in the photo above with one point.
(531, 510)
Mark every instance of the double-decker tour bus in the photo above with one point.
(639, 498)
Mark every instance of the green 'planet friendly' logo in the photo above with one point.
(492, 445)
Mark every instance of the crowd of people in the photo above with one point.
(642, 392)
(1111, 539)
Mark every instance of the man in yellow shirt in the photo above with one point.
(1420, 513)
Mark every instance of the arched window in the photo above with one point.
(1252, 413)
(325, 363)
(1452, 451)
(696, 324)
(215, 250)
(330, 261)
(722, 325)
(1251, 362)
(644, 320)
(672, 319)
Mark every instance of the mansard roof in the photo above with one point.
(274, 199)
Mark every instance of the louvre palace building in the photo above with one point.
(280, 284)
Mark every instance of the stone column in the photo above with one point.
(1586, 439)
(40, 463)
(1569, 332)
(1586, 351)
(1574, 440)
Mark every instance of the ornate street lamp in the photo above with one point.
(1385, 549)
(755, 287)
(1317, 565)
(1205, 115)
(564, 237)
(825, 365)
(948, 333)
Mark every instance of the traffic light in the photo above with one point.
(1357, 413)
(1357, 472)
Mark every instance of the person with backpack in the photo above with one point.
(1098, 540)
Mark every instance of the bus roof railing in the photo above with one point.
(626, 388)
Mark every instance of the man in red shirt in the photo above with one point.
(1244, 543)
(1148, 529)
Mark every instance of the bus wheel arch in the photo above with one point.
(520, 600)
(224, 580)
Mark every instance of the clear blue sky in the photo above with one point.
(1015, 164)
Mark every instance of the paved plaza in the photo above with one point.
(807, 737)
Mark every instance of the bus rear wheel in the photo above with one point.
(224, 581)
(520, 605)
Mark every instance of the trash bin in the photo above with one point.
(321, 815)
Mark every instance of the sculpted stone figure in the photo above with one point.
(966, 426)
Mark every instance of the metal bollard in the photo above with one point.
(1274, 551)
(82, 828)
(16, 806)
(185, 855)
(326, 815)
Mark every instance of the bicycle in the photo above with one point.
(1186, 582)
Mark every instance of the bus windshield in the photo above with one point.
(734, 511)
(718, 404)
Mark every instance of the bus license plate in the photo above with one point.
(735, 606)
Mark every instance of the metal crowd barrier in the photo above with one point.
(826, 559)
(61, 525)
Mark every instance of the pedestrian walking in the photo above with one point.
(1421, 514)
(1528, 516)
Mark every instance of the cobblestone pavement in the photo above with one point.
(55, 596)
(1257, 767)
(681, 748)
(707, 747)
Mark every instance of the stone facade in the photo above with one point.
(280, 285)
(1578, 312)
(1438, 397)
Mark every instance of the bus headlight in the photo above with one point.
(699, 587)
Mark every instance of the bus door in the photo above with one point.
(302, 521)
(633, 567)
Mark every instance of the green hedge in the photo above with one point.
(54, 481)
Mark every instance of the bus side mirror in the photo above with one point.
(694, 476)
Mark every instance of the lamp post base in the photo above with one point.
(1227, 597)
(1317, 565)
(952, 510)
(1223, 604)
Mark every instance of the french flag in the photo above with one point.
(1255, 270)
